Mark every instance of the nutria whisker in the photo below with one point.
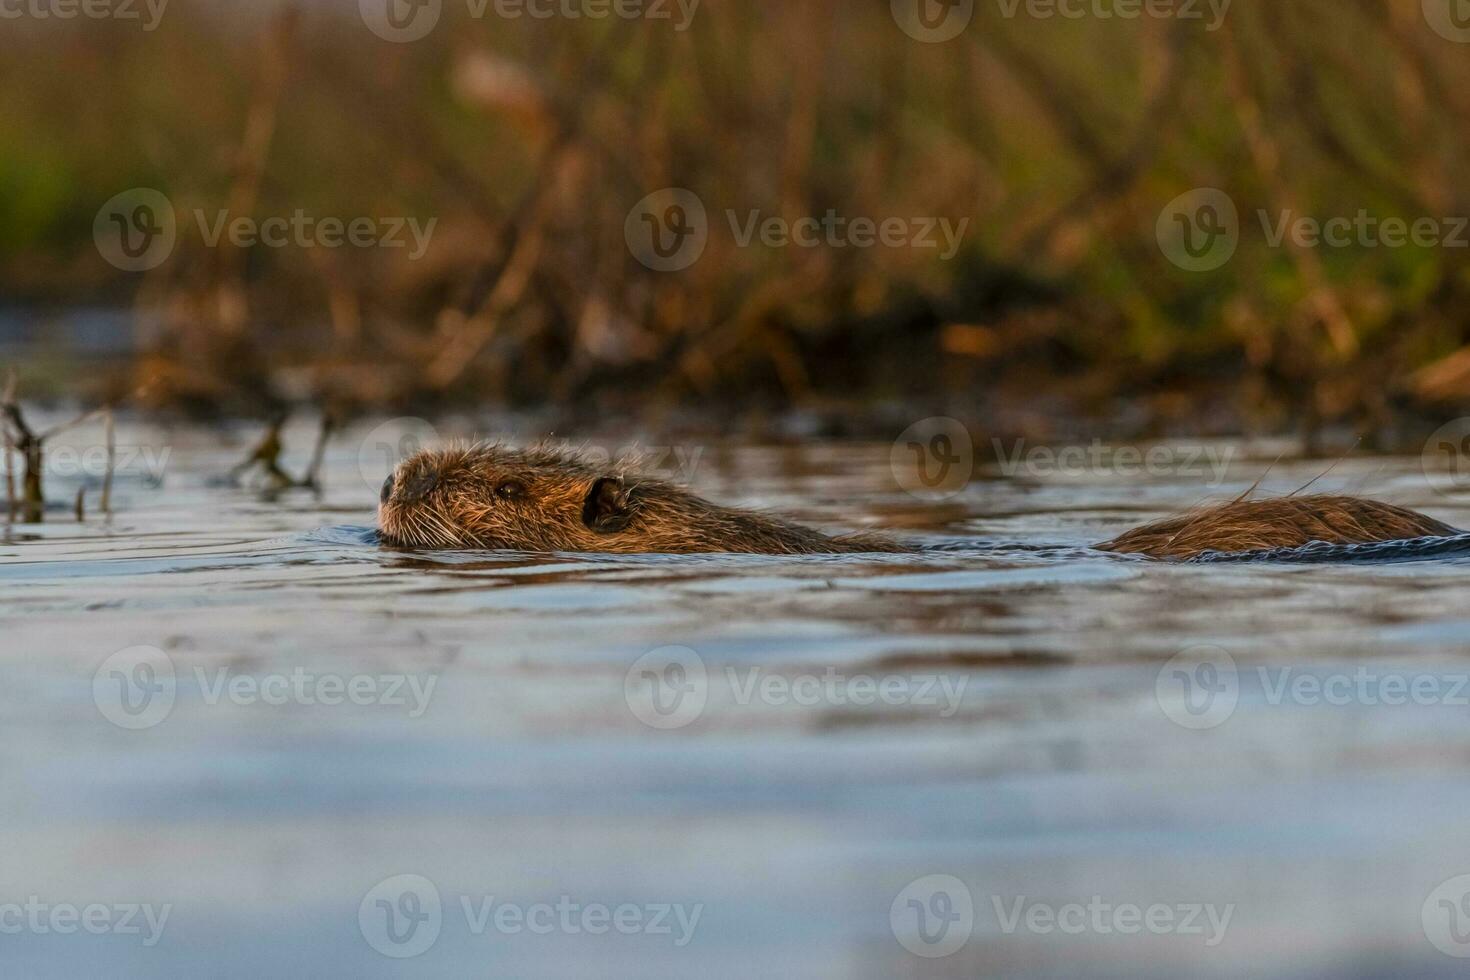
(441, 522)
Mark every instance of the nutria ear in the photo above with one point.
(607, 507)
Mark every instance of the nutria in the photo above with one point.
(1276, 522)
(543, 499)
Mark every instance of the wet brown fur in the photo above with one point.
(546, 500)
(1278, 522)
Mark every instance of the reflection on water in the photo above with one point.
(1008, 744)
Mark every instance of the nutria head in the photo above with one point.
(541, 499)
(487, 496)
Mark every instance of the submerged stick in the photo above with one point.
(33, 502)
(267, 455)
(9, 478)
(319, 452)
(109, 427)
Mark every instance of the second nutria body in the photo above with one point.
(493, 497)
(1276, 522)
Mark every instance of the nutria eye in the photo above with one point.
(510, 490)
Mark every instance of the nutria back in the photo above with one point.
(544, 499)
(1274, 523)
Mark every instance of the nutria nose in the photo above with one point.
(387, 489)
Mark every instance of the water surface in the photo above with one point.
(1030, 748)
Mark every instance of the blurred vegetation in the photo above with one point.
(529, 141)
